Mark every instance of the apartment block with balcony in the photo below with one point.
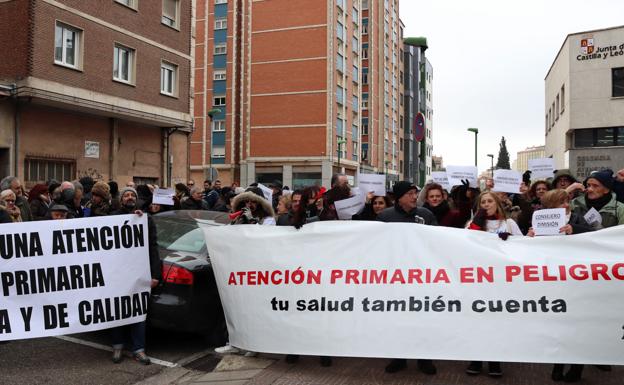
(96, 88)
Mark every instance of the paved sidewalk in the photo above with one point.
(269, 369)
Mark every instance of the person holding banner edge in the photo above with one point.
(128, 198)
(405, 209)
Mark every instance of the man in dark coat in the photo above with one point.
(406, 210)
(195, 201)
(128, 197)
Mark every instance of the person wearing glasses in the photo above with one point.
(7, 199)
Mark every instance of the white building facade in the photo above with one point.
(584, 102)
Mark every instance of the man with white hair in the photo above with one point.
(196, 200)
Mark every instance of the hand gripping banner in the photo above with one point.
(367, 289)
(71, 276)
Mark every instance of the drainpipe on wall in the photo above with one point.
(16, 127)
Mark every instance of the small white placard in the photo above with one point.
(441, 178)
(507, 181)
(457, 173)
(372, 182)
(163, 196)
(267, 192)
(347, 208)
(549, 221)
(92, 149)
(593, 216)
(542, 168)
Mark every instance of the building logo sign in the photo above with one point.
(589, 51)
(587, 46)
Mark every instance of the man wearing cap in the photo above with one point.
(406, 210)
(58, 211)
(405, 207)
(599, 195)
(128, 197)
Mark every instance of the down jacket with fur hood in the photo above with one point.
(264, 214)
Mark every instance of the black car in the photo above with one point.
(188, 299)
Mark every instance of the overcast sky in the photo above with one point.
(490, 58)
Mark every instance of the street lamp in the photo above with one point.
(476, 131)
(211, 115)
(492, 159)
(340, 142)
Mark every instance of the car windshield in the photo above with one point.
(180, 236)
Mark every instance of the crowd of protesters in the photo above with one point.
(462, 207)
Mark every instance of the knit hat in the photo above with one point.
(605, 177)
(401, 188)
(101, 189)
(126, 189)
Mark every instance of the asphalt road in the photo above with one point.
(71, 361)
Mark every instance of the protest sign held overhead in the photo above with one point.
(542, 168)
(507, 181)
(72, 276)
(441, 178)
(456, 174)
(372, 182)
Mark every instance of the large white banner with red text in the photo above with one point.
(369, 289)
(73, 275)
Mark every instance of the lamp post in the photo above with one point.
(211, 115)
(340, 142)
(492, 159)
(476, 131)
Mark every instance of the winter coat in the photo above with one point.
(5, 217)
(448, 217)
(192, 204)
(24, 207)
(497, 226)
(152, 239)
(618, 189)
(612, 213)
(367, 214)
(418, 215)
(239, 203)
(98, 210)
(579, 225)
(285, 219)
(39, 210)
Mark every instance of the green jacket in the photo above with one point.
(612, 213)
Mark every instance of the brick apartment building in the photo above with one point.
(296, 90)
(98, 88)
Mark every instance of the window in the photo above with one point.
(339, 63)
(355, 103)
(168, 78)
(219, 75)
(356, 16)
(365, 104)
(364, 29)
(599, 137)
(127, 3)
(355, 74)
(552, 122)
(170, 13)
(355, 44)
(218, 151)
(218, 126)
(562, 98)
(123, 64)
(557, 109)
(365, 53)
(42, 169)
(584, 138)
(340, 94)
(220, 23)
(364, 126)
(364, 77)
(67, 42)
(617, 80)
(364, 4)
(340, 127)
(340, 3)
(340, 31)
(605, 137)
(220, 1)
(218, 101)
(220, 48)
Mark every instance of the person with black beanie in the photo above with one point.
(599, 195)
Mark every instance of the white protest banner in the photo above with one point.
(549, 221)
(507, 181)
(372, 182)
(73, 276)
(347, 208)
(370, 289)
(593, 216)
(542, 168)
(456, 174)
(163, 196)
(267, 192)
(441, 178)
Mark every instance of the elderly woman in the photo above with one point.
(7, 199)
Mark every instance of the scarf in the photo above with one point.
(599, 203)
(439, 211)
